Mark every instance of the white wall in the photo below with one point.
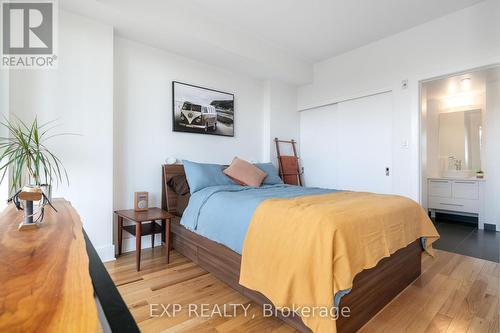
(143, 119)
(463, 40)
(4, 113)
(491, 163)
(79, 94)
(280, 119)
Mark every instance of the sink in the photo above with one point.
(458, 174)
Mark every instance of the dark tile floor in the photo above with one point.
(465, 238)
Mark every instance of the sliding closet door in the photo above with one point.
(349, 145)
(365, 144)
(318, 149)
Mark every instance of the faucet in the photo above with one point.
(454, 163)
(451, 162)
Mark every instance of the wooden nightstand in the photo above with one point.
(145, 224)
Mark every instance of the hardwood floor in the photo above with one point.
(454, 294)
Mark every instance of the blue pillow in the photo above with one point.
(272, 173)
(201, 175)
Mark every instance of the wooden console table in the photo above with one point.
(44, 274)
(49, 276)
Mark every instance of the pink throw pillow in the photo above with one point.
(245, 173)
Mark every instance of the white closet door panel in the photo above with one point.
(318, 147)
(364, 149)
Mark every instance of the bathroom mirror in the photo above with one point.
(460, 140)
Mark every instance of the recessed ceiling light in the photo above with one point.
(466, 83)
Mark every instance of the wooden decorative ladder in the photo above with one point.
(289, 168)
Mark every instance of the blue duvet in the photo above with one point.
(222, 213)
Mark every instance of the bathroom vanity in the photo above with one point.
(455, 195)
(454, 148)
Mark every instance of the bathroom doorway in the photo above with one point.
(460, 163)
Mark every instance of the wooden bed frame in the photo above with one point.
(372, 288)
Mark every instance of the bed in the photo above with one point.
(372, 288)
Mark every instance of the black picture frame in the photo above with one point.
(201, 110)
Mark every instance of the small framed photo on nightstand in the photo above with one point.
(141, 201)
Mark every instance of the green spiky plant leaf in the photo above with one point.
(25, 153)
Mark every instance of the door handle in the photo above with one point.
(449, 204)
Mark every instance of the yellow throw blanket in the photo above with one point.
(301, 251)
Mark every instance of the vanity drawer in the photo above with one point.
(440, 188)
(453, 204)
(465, 190)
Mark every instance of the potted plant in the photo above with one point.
(33, 167)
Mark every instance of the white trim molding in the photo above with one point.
(106, 253)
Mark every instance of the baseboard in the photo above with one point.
(128, 244)
(106, 253)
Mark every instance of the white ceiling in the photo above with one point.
(264, 38)
(319, 29)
